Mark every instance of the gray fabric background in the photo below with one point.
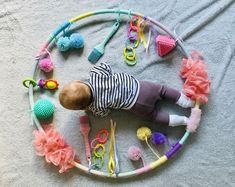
(209, 26)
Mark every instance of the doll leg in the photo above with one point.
(166, 119)
(174, 95)
(168, 93)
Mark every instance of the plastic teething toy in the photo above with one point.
(49, 84)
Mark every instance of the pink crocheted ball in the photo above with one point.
(46, 65)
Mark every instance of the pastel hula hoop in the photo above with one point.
(148, 167)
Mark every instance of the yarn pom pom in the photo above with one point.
(158, 138)
(77, 41)
(52, 145)
(43, 109)
(143, 133)
(63, 43)
(46, 65)
(134, 153)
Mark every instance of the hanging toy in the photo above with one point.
(85, 130)
(46, 65)
(99, 49)
(129, 55)
(158, 138)
(101, 137)
(43, 109)
(113, 165)
(49, 84)
(143, 134)
(63, 43)
(134, 154)
(99, 149)
(76, 41)
(164, 44)
(132, 29)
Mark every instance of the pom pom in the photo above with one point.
(134, 153)
(46, 65)
(197, 85)
(194, 120)
(43, 109)
(77, 41)
(158, 138)
(63, 43)
(143, 133)
(52, 145)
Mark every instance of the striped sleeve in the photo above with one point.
(102, 69)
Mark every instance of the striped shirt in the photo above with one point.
(111, 90)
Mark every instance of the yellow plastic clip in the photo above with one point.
(111, 164)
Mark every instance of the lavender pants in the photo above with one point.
(149, 94)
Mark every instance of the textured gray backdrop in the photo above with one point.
(209, 26)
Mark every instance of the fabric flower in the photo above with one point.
(50, 143)
(197, 84)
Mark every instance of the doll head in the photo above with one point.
(76, 95)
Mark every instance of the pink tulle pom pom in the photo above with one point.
(46, 65)
(197, 85)
(194, 120)
(52, 145)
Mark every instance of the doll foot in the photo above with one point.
(175, 120)
(185, 102)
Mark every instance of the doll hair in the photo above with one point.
(75, 95)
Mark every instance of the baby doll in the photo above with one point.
(106, 90)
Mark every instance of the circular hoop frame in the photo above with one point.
(170, 153)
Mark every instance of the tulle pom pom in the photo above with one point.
(46, 65)
(52, 145)
(197, 84)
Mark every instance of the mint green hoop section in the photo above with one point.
(52, 37)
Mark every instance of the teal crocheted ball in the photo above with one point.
(43, 109)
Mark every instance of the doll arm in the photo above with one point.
(102, 69)
(103, 112)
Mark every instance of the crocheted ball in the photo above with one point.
(143, 133)
(63, 43)
(158, 138)
(43, 109)
(76, 40)
(134, 153)
(46, 65)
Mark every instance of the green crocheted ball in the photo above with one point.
(43, 109)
